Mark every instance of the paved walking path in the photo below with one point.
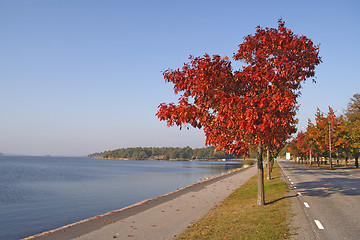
(163, 217)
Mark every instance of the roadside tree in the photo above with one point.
(293, 148)
(299, 147)
(311, 138)
(327, 134)
(353, 127)
(303, 146)
(253, 106)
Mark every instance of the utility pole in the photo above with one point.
(331, 167)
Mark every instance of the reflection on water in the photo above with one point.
(42, 193)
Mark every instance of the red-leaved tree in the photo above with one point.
(253, 106)
(299, 146)
(328, 133)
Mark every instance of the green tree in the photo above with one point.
(353, 127)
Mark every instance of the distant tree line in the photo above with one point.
(330, 136)
(164, 153)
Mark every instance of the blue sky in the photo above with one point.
(83, 76)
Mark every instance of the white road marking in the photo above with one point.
(306, 204)
(291, 182)
(319, 225)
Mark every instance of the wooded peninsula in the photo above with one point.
(164, 153)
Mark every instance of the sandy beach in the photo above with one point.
(163, 217)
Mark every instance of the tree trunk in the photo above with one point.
(331, 165)
(261, 195)
(318, 162)
(346, 161)
(356, 161)
(268, 164)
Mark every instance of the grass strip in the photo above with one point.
(239, 217)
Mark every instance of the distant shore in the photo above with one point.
(178, 159)
(167, 153)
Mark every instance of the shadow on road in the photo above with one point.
(324, 187)
(328, 183)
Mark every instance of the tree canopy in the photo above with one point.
(352, 126)
(332, 134)
(164, 153)
(239, 109)
(252, 106)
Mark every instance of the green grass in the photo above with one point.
(238, 216)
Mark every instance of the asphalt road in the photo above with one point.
(330, 200)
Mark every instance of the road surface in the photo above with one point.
(329, 200)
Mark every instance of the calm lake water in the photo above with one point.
(42, 193)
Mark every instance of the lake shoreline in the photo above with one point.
(93, 223)
(179, 159)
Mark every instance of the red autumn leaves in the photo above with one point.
(339, 135)
(253, 105)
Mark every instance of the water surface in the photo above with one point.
(42, 193)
